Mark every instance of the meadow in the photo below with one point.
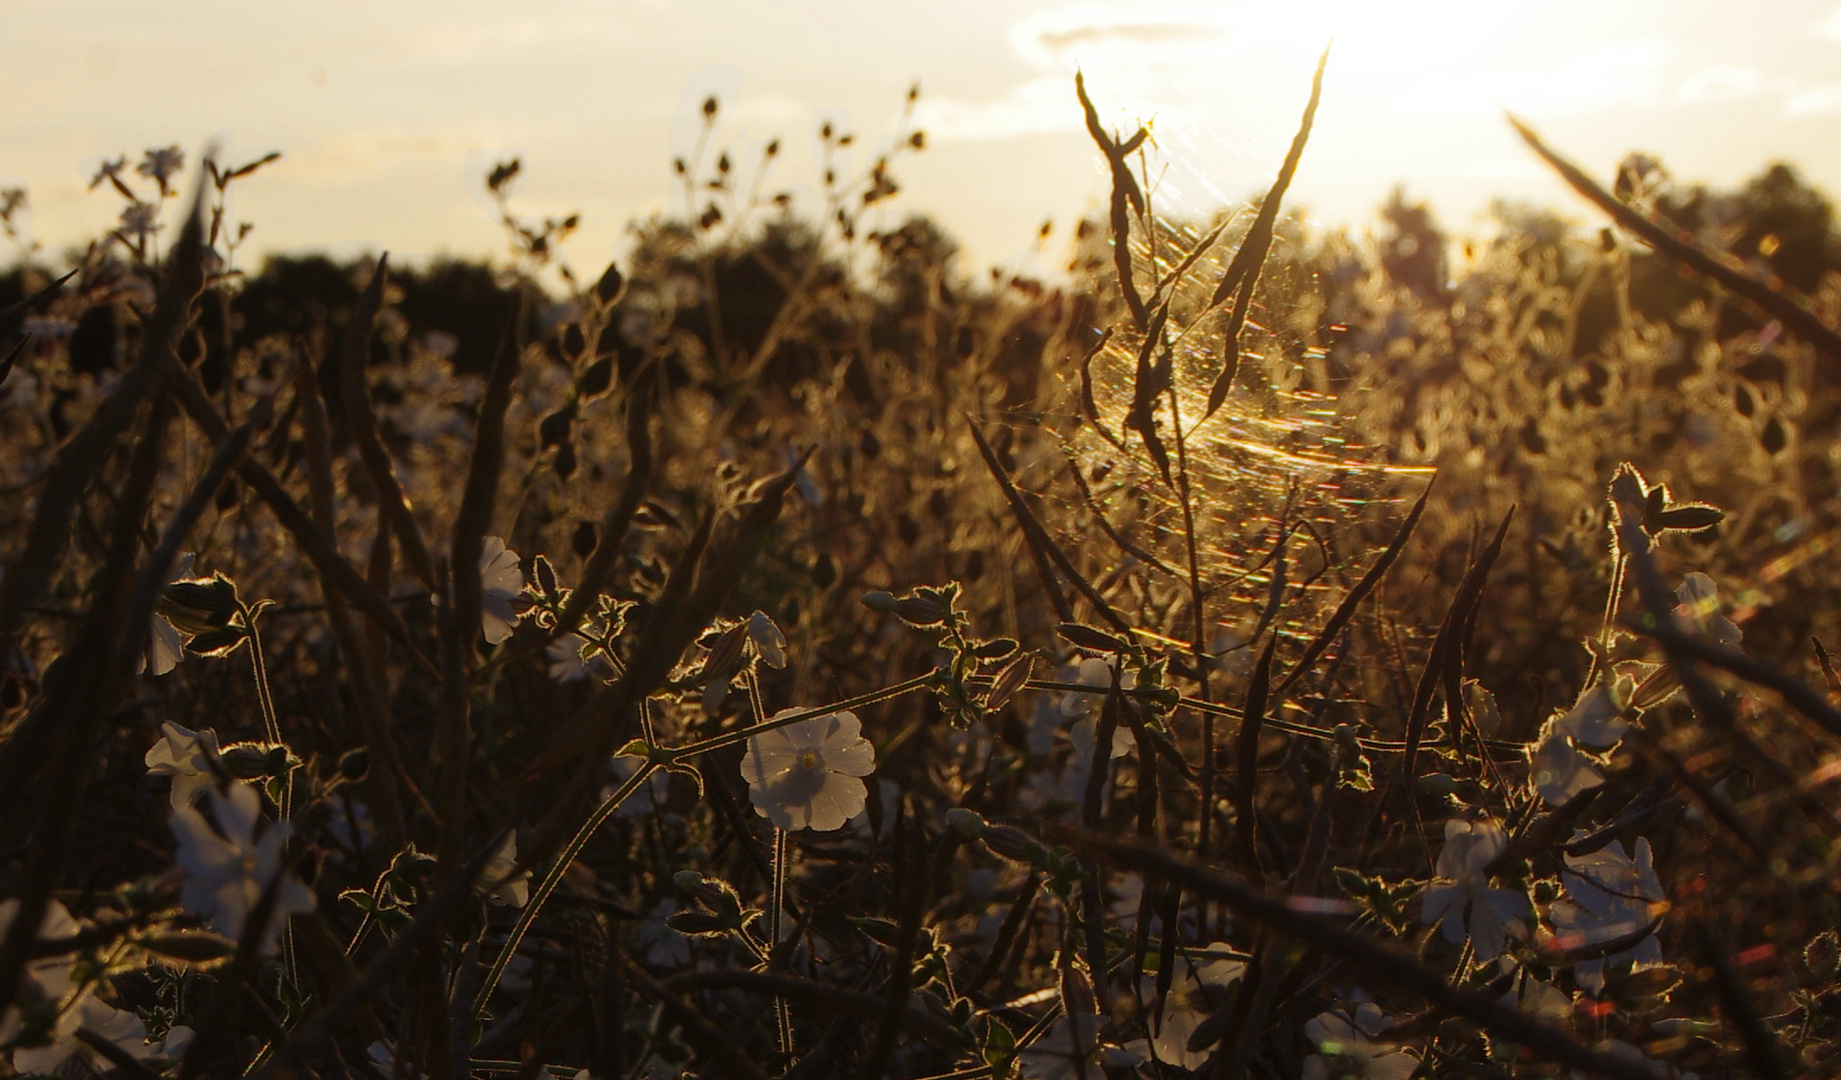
(1251, 652)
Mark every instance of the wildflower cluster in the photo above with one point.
(779, 656)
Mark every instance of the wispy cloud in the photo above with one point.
(1596, 81)
(1719, 84)
(1830, 26)
(1815, 101)
(363, 152)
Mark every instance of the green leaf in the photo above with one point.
(637, 748)
(1690, 517)
(1092, 639)
(697, 923)
(995, 649)
(999, 1044)
(881, 931)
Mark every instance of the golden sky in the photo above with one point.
(388, 112)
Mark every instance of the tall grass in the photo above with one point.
(1245, 659)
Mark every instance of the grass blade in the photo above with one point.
(1246, 764)
(361, 419)
(1346, 610)
(1243, 272)
(1770, 295)
(474, 518)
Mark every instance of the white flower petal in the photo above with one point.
(498, 568)
(237, 813)
(1595, 720)
(496, 618)
(165, 648)
(1559, 772)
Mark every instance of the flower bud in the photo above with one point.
(1346, 739)
(355, 764)
(1439, 784)
(246, 761)
(912, 610)
(725, 655)
(1077, 993)
(1009, 681)
(966, 822)
(199, 605)
(769, 642)
(1014, 844)
(688, 880)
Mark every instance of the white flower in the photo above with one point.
(1483, 709)
(663, 946)
(1623, 1051)
(1094, 672)
(1596, 719)
(769, 642)
(1698, 610)
(383, 1060)
(161, 164)
(124, 1029)
(1463, 889)
(505, 889)
(1349, 1050)
(178, 1037)
(1068, 1052)
(1540, 1000)
(651, 796)
(139, 218)
(1613, 896)
(1197, 992)
(1086, 729)
(568, 664)
(806, 775)
(226, 875)
(186, 756)
(165, 645)
(1558, 770)
(46, 978)
(500, 585)
(165, 648)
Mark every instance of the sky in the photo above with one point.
(389, 113)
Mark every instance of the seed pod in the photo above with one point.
(554, 430)
(354, 765)
(725, 657)
(583, 540)
(611, 287)
(1009, 681)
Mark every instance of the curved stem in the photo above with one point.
(730, 738)
(554, 878)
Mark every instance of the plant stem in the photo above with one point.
(777, 906)
(554, 878)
